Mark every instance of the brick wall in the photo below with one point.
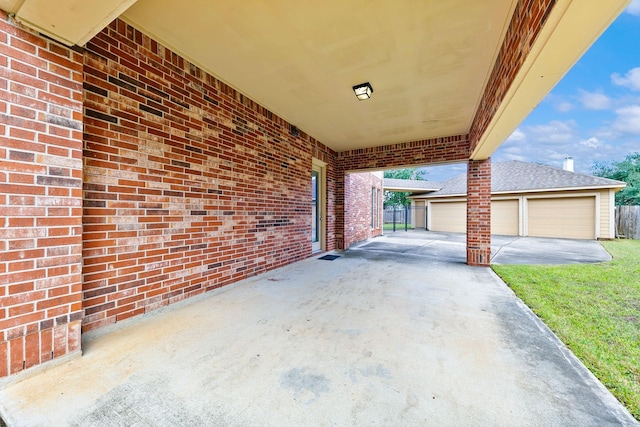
(415, 153)
(188, 185)
(479, 212)
(358, 204)
(40, 199)
(528, 19)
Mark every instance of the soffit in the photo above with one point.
(428, 61)
(68, 21)
(571, 28)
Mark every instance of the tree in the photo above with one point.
(399, 198)
(627, 170)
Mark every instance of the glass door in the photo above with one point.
(316, 214)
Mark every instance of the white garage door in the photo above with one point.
(571, 218)
(449, 216)
(504, 217)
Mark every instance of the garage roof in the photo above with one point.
(516, 176)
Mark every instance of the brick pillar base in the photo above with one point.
(479, 212)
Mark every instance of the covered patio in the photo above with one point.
(379, 337)
(153, 151)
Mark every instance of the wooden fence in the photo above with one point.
(628, 222)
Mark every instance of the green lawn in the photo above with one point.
(595, 310)
(399, 227)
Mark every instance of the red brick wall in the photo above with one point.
(188, 184)
(479, 212)
(415, 153)
(528, 19)
(358, 206)
(40, 199)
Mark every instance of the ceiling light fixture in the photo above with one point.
(363, 91)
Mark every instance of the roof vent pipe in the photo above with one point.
(567, 164)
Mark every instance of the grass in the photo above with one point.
(399, 227)
(595, 310)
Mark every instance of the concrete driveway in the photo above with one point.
(372, 338)
(504, 249)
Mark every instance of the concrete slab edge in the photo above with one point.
(31, 372)
(617, 409)
(123, 324)
(38, 369)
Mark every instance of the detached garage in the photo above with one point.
(530, 200)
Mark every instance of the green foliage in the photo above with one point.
(627, 170)
(399, 198)
(594, 309)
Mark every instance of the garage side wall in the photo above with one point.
(40, 199)
(363, 213)
(188, 184)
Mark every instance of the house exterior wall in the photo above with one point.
(188, 185)
(40, 199)
(359, 206)
(179, 185)
(415, 153)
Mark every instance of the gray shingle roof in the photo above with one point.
(515, 176)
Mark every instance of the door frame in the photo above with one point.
(321, 168)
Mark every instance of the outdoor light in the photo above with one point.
(363, 91)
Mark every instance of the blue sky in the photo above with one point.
(593, 114)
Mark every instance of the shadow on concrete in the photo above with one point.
(380, 336)
(451, 247)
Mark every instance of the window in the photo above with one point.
(373, 207)
(378, 198)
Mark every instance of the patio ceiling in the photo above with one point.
(428, 61)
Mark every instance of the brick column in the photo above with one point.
(479, 212)
(339, 210)
(40, 199)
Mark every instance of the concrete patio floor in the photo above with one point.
(445, 246)
(375, 337)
